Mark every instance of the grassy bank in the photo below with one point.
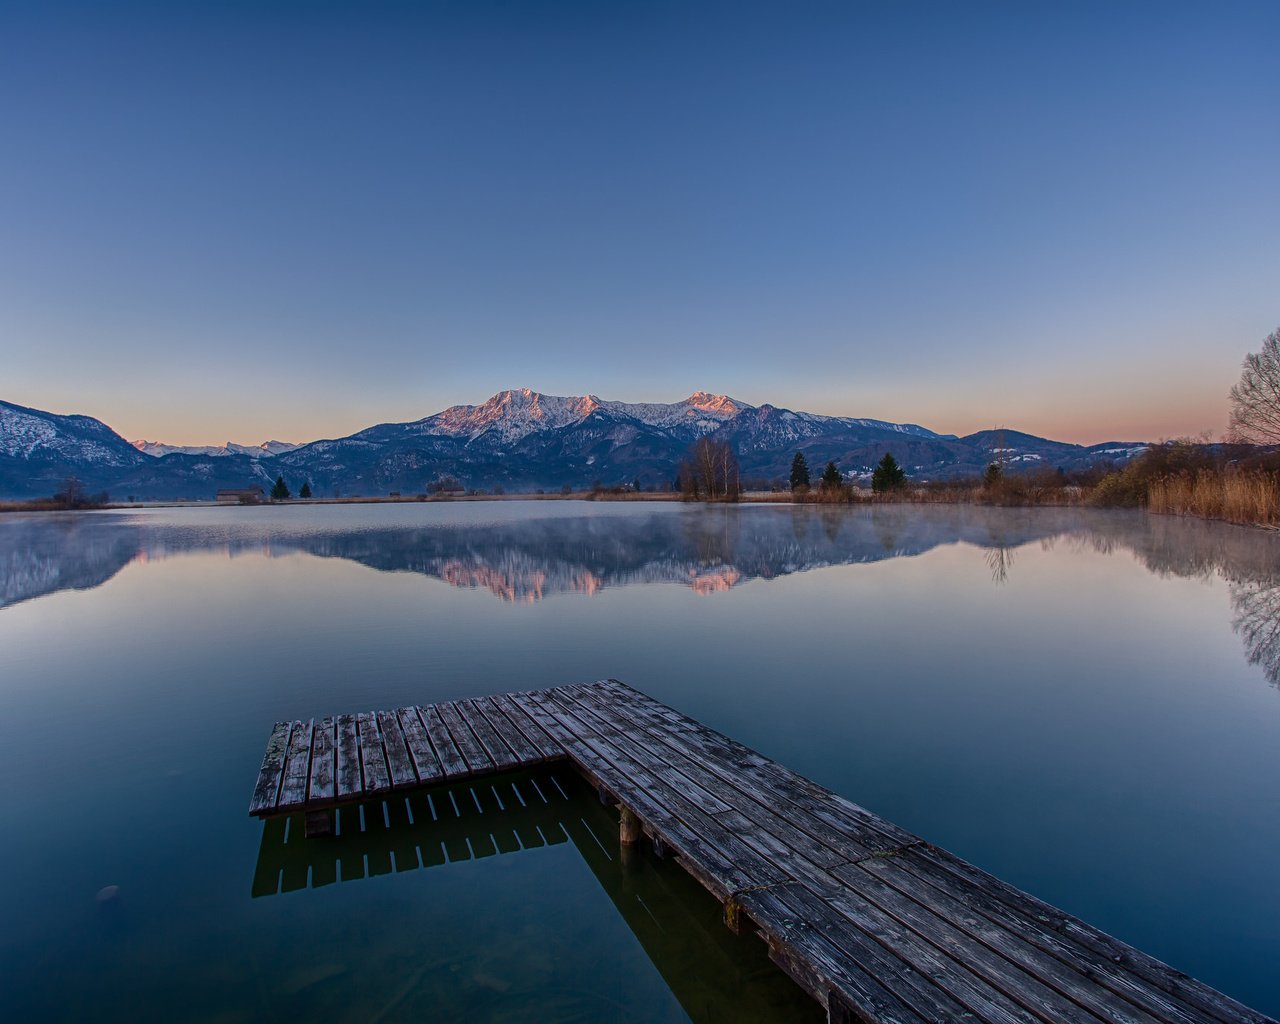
(1233, 483)
(1180, 478)
(1237, 496)
(1038, 487)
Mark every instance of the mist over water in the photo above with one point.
(1084, 703)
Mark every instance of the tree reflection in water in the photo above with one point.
(999, 561)
(1256, 620)
(531, 553)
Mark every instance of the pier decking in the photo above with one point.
(875, 923)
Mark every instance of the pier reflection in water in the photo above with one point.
(714, 974)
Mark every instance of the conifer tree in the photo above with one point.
(888, 475)
(306, 490)
(799, 472)
(281, 490)
(831, 477)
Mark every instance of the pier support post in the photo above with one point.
(838, 1011)
(733, 915)
(629, 829)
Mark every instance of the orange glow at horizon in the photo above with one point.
(1076, 425)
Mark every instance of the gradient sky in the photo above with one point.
(241, 221)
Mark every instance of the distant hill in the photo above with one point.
(39, 450)
(520, 440)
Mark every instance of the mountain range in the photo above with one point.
(520, 440)
(254, 451)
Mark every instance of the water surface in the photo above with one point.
(1084, 703)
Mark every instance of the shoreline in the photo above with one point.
(37, 505)
(665, 497)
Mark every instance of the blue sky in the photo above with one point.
(240, 221)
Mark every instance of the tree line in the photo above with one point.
(886, 478)
(280, 491)
(711, 472)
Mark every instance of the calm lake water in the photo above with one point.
(1083, 703)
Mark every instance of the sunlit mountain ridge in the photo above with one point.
(518, 440)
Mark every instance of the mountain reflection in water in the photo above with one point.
(535, 553)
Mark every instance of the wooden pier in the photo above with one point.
(876, 924)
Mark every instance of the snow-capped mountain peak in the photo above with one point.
(701, 411)
(704, 401)
(509, 415)
(256, 451)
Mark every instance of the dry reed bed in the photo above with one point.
(1237, 497)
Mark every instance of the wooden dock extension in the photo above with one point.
(876, 924)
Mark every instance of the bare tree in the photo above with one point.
(1255, 401)
(710, 471)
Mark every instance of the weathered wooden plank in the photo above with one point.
(1091, 981)
(452, 762)
(711, 866)
(980, 998)
(321, 788)
(536, 735)
(297, 765)
(546, 721)
(857, 823)
(425, 762)
(373, 759)
(499, 753)
(762, 855)
(399, 763)
(863, 978)
(1196, 995)
(350, 784)
(984, 981)
(785, 847)
(520, 745)
(654, 801)
(630, 757)
(266, 791)
(864, 946)
(739, 793)
(778, 804)
(470, 748)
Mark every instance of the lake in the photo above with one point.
(1084, 703)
